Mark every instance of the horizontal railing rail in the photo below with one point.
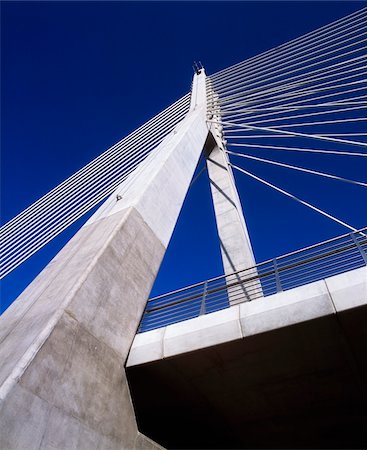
(312, 263)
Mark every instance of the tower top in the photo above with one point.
(197, 67)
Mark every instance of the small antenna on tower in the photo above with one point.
(197, 67)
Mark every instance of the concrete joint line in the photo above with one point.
(162, 343)
(239, 321)
(28, 356)
(53, 277)
(330, 297)
(38, 342)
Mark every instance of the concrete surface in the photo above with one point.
(286, 371)
(235, 244)
(64, 341)
(63, 348)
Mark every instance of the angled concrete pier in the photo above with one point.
(235, 245)
(64, 341)
(234, 239)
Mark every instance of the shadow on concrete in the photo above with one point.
(301, 386)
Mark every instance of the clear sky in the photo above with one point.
(78, 76)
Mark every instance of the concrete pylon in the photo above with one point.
(235, 245)
(64, 341)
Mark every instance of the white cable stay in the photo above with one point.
(94, 166)
(38, 232)
(321, 122)
(252, 112)
(38, 241)
(294, 108)
(288, 194)
(333, 70)
(307, 84)
(287, 106)
(282, 82)
(284, 99)
(305, 135)
(295, 43)
(43, 227)
(277, 110)
(124, 184)
(112, 171)
(291, 104)
(28, 251)
(296, 116)
(300, 169)
(69, 201)
(288, 80)
(266, 76)
(286, 48)
(261, 136)
(93, 172)
(298, 149)
(25, 252)
(98, 163)
(317, 97)
(278, 69)
(40, 226)
(51, 201)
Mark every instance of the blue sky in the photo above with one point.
(78, 76)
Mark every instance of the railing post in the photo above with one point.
(359, 247)
(277, 277)
(202, 308)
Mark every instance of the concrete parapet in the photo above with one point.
(319, 299)
(286, 308)
(285, 371)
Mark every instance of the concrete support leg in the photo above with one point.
(64, 342)
(235, 243)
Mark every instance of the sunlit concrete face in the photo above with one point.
(234, 240)
(62, 377)
(235, 245)
(64, 342)
(285, 371)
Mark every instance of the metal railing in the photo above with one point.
(313, 263)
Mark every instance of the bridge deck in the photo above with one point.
(287, 368)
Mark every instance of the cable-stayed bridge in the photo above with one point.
(65, 341)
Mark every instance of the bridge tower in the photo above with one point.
(65, 340)
(66, 343)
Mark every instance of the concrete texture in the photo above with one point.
(62, 377)
(64, 342)
(235, 245)
(287, 371)
(234, 240)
